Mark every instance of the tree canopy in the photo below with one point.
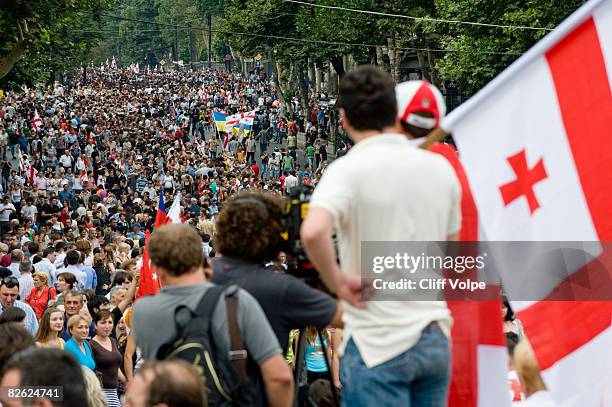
(462, 42)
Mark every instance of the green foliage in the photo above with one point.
(67, 33)
(57, 35)
(469, 67)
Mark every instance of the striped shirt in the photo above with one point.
(26, 285)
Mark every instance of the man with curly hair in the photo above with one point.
(249, 236)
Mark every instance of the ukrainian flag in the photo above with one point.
(219, 118)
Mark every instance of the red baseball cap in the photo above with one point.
(419, 96)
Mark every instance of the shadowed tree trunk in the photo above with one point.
(19, 49)
(338, 65)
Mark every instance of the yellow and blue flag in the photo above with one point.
(220, 120)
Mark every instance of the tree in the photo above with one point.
(42, 26)
(480, 53)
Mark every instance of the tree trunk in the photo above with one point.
(8, 62)
(380, 58)
(372, 56)
(423, 66)
(280, 86)
(434, 76)
(302, 91)
(318, 77)
(311, 73)
(236, 58)
(332, 83)
(338, 65)
(395, 58)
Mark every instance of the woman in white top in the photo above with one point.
(168, 183)
(16, 193)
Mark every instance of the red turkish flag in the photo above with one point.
(149, 283)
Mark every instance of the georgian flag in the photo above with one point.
(534, 145)
(244, 119)
(37, 122)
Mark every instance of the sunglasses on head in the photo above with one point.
(9, 282)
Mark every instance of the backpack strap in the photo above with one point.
(208, 302)
(237, 354)
(204, 310)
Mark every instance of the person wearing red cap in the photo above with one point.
(420, 108)
(395, 352)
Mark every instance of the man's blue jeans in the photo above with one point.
(416, 378)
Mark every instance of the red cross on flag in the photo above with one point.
(37, 122)
(535, 147)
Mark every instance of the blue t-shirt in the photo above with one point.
(315, 358)
(83, 359)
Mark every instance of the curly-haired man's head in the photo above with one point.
(250, 226)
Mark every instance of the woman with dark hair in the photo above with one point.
(107, 253)
(102, 274)
(511, 323)
(107, 356)
(65, 282)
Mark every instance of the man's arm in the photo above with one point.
(131, 291)
(336, 341)
(316, 236)
(278, 380)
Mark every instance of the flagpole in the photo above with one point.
(584, 12)
(433, 136)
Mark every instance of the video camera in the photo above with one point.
(294, 213)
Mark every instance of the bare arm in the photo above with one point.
(335, 364)
(128, 363)
(278, 380)
(129, 295)
(316, 235)
(336, 321)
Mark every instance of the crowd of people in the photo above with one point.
(85, 167)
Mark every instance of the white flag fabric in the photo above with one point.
(174, 214)
(535, 147)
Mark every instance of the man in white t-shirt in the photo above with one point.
(384, 189)
(66, 160)
(6, 210)
(290, 182)
(29, 210)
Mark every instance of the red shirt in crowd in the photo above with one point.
(39, 302)
(255, 169)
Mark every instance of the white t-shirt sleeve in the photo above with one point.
(333, 193)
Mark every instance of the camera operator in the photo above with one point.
(383, 190)
(249, 236)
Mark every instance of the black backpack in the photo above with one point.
(229, 379)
